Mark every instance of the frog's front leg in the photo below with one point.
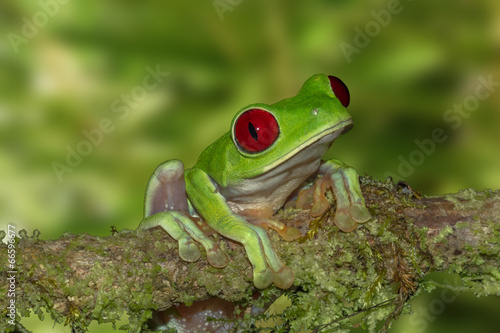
(166, 206)
(344, 182)
(267, 266)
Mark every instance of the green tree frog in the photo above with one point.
(245, 176)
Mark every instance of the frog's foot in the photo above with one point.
(275, 272)
(284, 278)
(186, 232)
(267, 266)
(166, 206)
(261, 217)
(344, 181)
(304, 199)
(313, 198)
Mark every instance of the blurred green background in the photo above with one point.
(65, 66)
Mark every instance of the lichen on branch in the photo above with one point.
(80, 278)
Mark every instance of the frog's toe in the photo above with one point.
(344, 221)
(286, 232)
(188, 250)
(284, 278)
(290, 233)
(304, 199)
(359, 213)
(320, 202)
(319, 207)
(216, 257)
(263, 279)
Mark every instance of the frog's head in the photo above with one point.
(268, 135)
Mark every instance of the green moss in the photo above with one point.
(332, 291)
(462, 225)
(443, 233)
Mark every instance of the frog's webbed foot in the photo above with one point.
(344, 181)
(166, 206)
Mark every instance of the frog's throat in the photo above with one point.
(342, 126)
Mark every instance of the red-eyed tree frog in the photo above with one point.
(246, 176)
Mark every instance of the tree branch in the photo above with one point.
(79, 278)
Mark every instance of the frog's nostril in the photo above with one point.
(314, 112)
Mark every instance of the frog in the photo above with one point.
(270, 153)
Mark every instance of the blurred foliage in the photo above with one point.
(77, 58)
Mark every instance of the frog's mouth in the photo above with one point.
(321, 141)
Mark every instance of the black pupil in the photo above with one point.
(253, 132)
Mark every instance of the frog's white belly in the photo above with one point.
(272, 188)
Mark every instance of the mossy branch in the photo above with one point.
(79, 278)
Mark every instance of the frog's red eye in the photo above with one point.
(255, 130)
(340, 90)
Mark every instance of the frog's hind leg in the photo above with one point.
(166, 206)
(261, 217)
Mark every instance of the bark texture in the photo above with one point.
(80, 278)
